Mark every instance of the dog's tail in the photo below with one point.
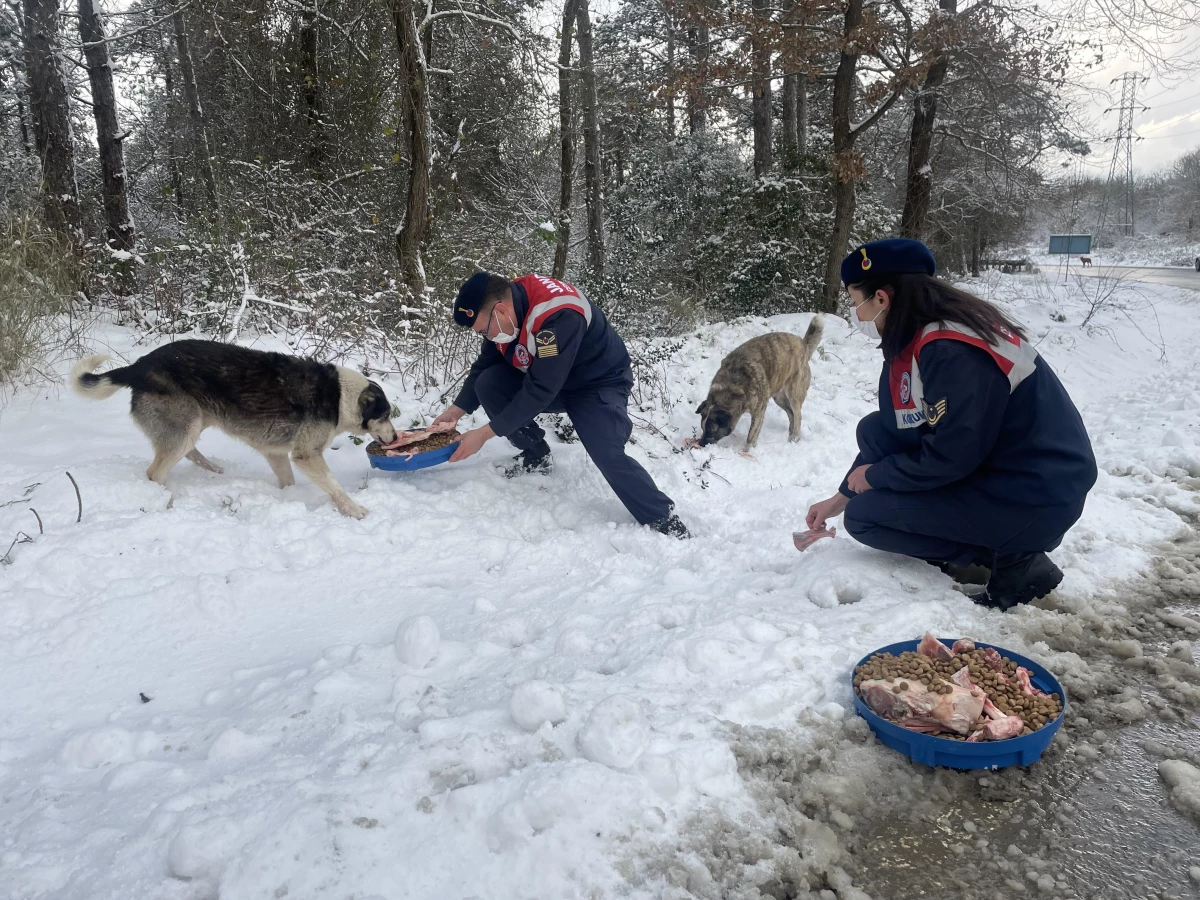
(84, 382)
(812, 337)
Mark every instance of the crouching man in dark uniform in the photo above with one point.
(977, 456)
(546, 348)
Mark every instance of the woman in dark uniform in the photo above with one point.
(976, 456)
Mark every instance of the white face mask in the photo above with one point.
(504, 337)
(867, 326)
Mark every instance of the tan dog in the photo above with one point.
(772, 366)
(275, 403)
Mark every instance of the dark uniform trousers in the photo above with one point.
(958, 523)
(601, 419)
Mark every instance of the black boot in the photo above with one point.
(536, 460)
(1020, 578)
(978, 572)
(671, 526)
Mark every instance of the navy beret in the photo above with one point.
(894, 256)
(469, 299)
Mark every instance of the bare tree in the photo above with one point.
(49, 107)
(670, 72)
(108, 128)
(919, 183)
(591, 144)
(848, 166)
(790, 108)
(195, 111)
(317, 149)
(699, 41)
(172, 154)
(566, 132)
(760, 54)
(10, 31)
(411, 233)
(802, 112)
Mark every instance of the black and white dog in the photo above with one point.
(277, 404)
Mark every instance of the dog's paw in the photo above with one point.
(350, 508)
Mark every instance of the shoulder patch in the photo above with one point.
(935, 412)
(547, 343)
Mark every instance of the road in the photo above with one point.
(1174, 276)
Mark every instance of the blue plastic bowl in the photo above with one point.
(939, 751)
(418, 460)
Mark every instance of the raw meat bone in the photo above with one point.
(805, 539)
(999, 729)
(1000, 726)
(1026, 685)
(919, 709)
(934, 649)
(404, 438)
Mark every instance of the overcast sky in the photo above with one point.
(1169, 128)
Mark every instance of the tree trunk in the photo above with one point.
(567, 139)
(317, 150)
(108, 129)
(195, 112)
(670, 79)
(760, 53)
(697, 103)
(788, 102)
(591, 145)
(847, 165)
(25, 145)
(49, 106)
(5, 36)
(172, 153)
(802, 113)
(975, 243)
(918, 186)
(410, 236)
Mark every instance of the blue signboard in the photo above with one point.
(1070, 244)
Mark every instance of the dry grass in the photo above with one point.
(39, 281)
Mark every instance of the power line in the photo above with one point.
(1159, 137)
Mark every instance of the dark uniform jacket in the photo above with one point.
(564, 344)
(998, 416)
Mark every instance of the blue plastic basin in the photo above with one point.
(939, 751)
(418, 460)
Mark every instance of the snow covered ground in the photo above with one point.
(559, 725)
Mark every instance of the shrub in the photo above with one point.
(38, 286)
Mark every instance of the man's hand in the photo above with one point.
(857, 481)
(826, 509)
(471, 442)
(450, 416)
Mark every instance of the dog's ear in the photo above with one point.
(703, 408)
(373, 404)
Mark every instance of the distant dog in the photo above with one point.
(275, 403)
(769, 367)
(1086, 260)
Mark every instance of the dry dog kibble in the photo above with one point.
(975, 694)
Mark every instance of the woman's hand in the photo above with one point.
(857, 481)
(449, 417)
(826, 509)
